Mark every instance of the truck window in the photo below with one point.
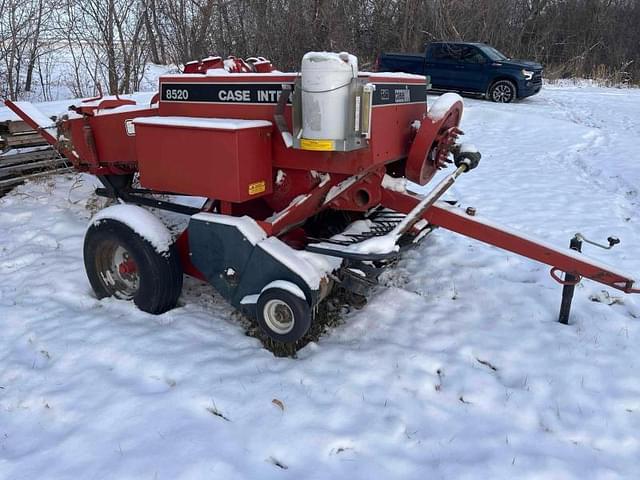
(470, 54)
(494, 54)
(445, 53)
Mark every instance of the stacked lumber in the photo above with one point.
(25, 155)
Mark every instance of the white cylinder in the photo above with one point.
(326, 78)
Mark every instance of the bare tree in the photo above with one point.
(109, 42)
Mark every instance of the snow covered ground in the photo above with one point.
(455, 369)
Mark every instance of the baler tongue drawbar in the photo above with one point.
(571, 261)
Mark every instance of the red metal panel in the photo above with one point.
(390, 139)
(390, 134)
(229, 165)
(104, 137)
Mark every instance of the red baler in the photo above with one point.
(303, 183)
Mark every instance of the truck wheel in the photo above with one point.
(502, 91)
(283, 316)
(122, 264)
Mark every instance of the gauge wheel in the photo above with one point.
(502, 91)
(122, 264)
(283, 316)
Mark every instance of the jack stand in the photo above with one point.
(570, 285)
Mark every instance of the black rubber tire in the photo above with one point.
(159, 275)
(503, 91)
(299, 308)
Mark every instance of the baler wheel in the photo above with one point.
(122, 264)
(283, 316)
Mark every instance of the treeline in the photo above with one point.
(110, 41)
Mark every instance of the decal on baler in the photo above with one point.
(317, 145)
(129, 127)
(260, 93)
(257, 187)
(268, 93)
(395, 93)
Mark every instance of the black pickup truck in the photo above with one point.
(471, 68)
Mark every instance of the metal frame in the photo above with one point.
(136, 196)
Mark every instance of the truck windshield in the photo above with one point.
(493, 54)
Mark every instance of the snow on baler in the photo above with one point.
(303, 179)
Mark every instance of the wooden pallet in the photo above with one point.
(16, 168)
(17, 134)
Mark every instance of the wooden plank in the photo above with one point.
(13, 170)
(12, 182)
(23, 140)
(18, 126)
(20, 158)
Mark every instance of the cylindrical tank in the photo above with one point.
(326, 78)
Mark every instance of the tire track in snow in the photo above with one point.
(604, 146)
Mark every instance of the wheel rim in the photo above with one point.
(502, 93)
(278, 316)
(118, 270)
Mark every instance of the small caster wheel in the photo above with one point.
(282, 315)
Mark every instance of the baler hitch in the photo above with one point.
(569, 284)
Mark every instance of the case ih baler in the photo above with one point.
(302, 177)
